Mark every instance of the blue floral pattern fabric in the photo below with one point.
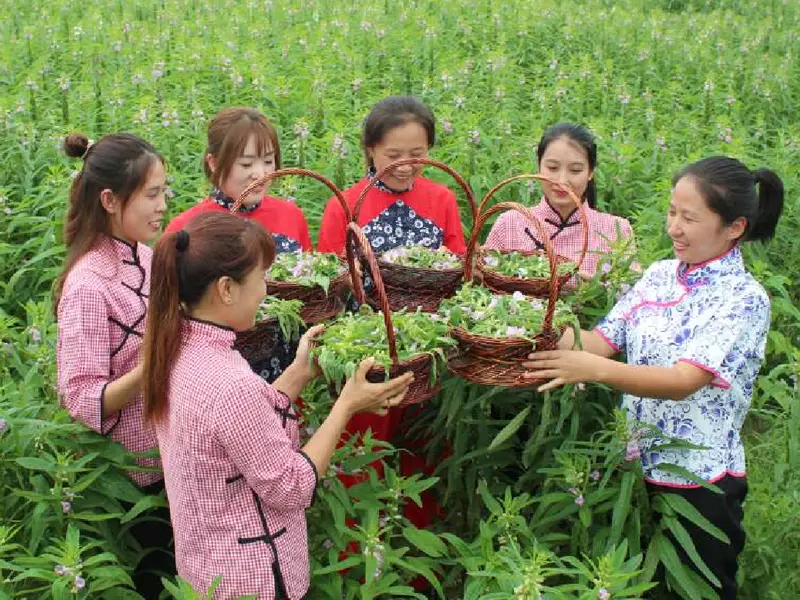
(715, 316)
(400, 225)
(271, 367)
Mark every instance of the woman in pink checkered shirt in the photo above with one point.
(237, 479)
(117, 202)
(566, 153)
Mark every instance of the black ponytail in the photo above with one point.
(770, 205)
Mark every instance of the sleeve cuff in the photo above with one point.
(316, 478)
(604, 337)
(719, 381)
(106, 425)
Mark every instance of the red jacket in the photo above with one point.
(283, 219)
(426, 215)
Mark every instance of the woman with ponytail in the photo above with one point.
(237, 480)
(117, 202)
(567, 154)
(694, 331)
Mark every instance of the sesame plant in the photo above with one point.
(524, 266)
(308, 269)
(659, 83)
(287, 313)
(481, 312)
(353, 337)
(422, 257)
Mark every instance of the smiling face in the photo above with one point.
(567, 163)
(698, 233)
(247, 168)
(409, 140)
(139, 220)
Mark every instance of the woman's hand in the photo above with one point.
(562, 367)
(302, 361)
(359, 395)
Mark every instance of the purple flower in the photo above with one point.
(327, 544)
(79, 582)
(66, 506)
(602, 594)
(574, 491)
(3, 425)
(595, 475)
(580, 501)
(61, 570)
(632, 451)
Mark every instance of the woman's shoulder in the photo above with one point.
(610, 224)
(286, 205)
(429, 186)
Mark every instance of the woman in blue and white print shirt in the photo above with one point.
(693, 330)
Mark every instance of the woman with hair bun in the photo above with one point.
(117, 203)
(694, 330)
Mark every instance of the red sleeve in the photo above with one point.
(333, 227)
(453, 229)
(302, 231)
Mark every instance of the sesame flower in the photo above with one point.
(632, 451)
(580, 501)
(595, 475)
(603, 594)
(518, 296)
(512, 331)
(79, 583)
(3, 425)
(327, 544)
(66, 506)
(61, 570)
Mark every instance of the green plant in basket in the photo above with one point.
(287, 312)
(524, 266)
(308, 269)
(354, 337)
(481, 312)
(422, 257)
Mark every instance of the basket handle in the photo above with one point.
(555, 281)
(357, 240)
(417, 161)
(293, 171)
(582, 216)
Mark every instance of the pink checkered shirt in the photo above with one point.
(101, 323)
(237, 483)
(509, 233)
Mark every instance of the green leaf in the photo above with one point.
(510, 429)
(145, 503)
(685, 540)
(621, 508)
(685, 509)
(426, 541)
(339, 566)
(677, 470)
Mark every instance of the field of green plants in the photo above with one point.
(539, 498)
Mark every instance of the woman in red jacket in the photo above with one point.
(243, 147)
(403, 209)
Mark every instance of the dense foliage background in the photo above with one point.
(660, 82)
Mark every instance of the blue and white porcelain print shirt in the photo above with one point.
(715, 316)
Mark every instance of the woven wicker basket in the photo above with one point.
(412, 287)
(359, 249)
(498, 361)
(258, 343)
(502, 284)
(318, 304)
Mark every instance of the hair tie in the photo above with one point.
(89, 146)
(181, 240)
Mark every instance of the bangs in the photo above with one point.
(236, 139)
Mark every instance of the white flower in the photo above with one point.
(514, 331)
(518, 296)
